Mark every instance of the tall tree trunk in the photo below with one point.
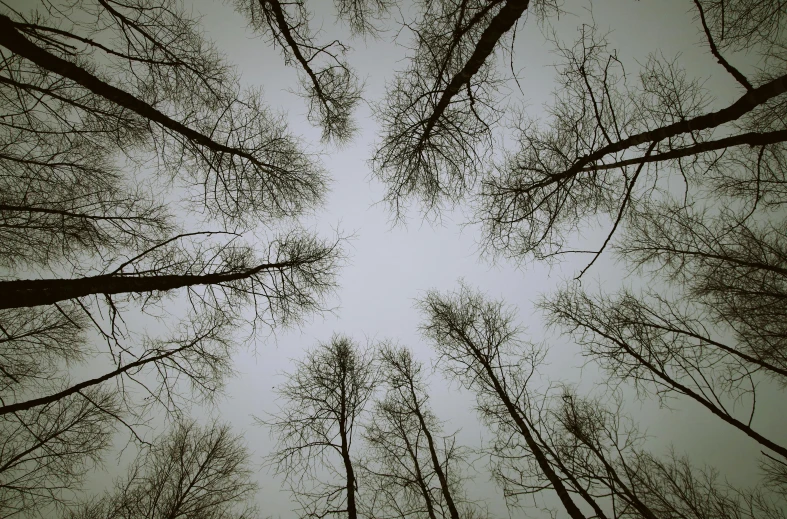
(449, 500)
(419, 476)
(541, 459)
(501, 23)
(34, 292)
(16, 42)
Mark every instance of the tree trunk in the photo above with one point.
(34, 292)
(541, 459)
(14, 41)
(449, 500)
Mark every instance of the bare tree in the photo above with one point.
(191, 471)
(537, 445)
(439, 111)
(590, 453)
(412, 470)
(732, 263)
(672, 487)
(248, 166)
(603, 449)
(113, 113)
(46, 452)
(672, 355)
(720, 330)
(179, 104)
(294, 276)
(611, 141)
(328, 83)
(478, 346)
(610, 138)
(317, 423)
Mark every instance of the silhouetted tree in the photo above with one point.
(478, 346)
(665, 356)
(328, 83)
(114, 114)
(317, 423)
(718, 329)
(731, 263)
(611, 139)
(608, 140)
(438, 112)
(412, 470)
(604, 451)
(191, 471)
(588, 452)
(45, 452)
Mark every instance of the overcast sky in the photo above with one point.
(391, 266)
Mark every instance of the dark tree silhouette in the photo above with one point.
(318, 423)
(612, 139)
(663, 355)
(609, 138)
(732, 263)
(135, 177)
(603, 450)
(584, 449)
(719, 330)
(438, 113)
(191, 471)
(478, 346)
(412, 470)
(328, 83)
(45, 452)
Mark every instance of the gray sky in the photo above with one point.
(389, 267)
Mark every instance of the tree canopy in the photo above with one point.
(162, 216)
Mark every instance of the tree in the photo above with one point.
(477, 344)
(611, 142)
(608, 140)
(617, 147)
(328, 83)
(149, 224)
(439, 111)
(412, 470)
(663, 355)
(712, 327)
(731, 263)
(603, 449)
(588, 452)
(46, 452)
(324, 399)
(190, 471)
(114, 114)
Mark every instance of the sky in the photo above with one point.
(390, 266)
